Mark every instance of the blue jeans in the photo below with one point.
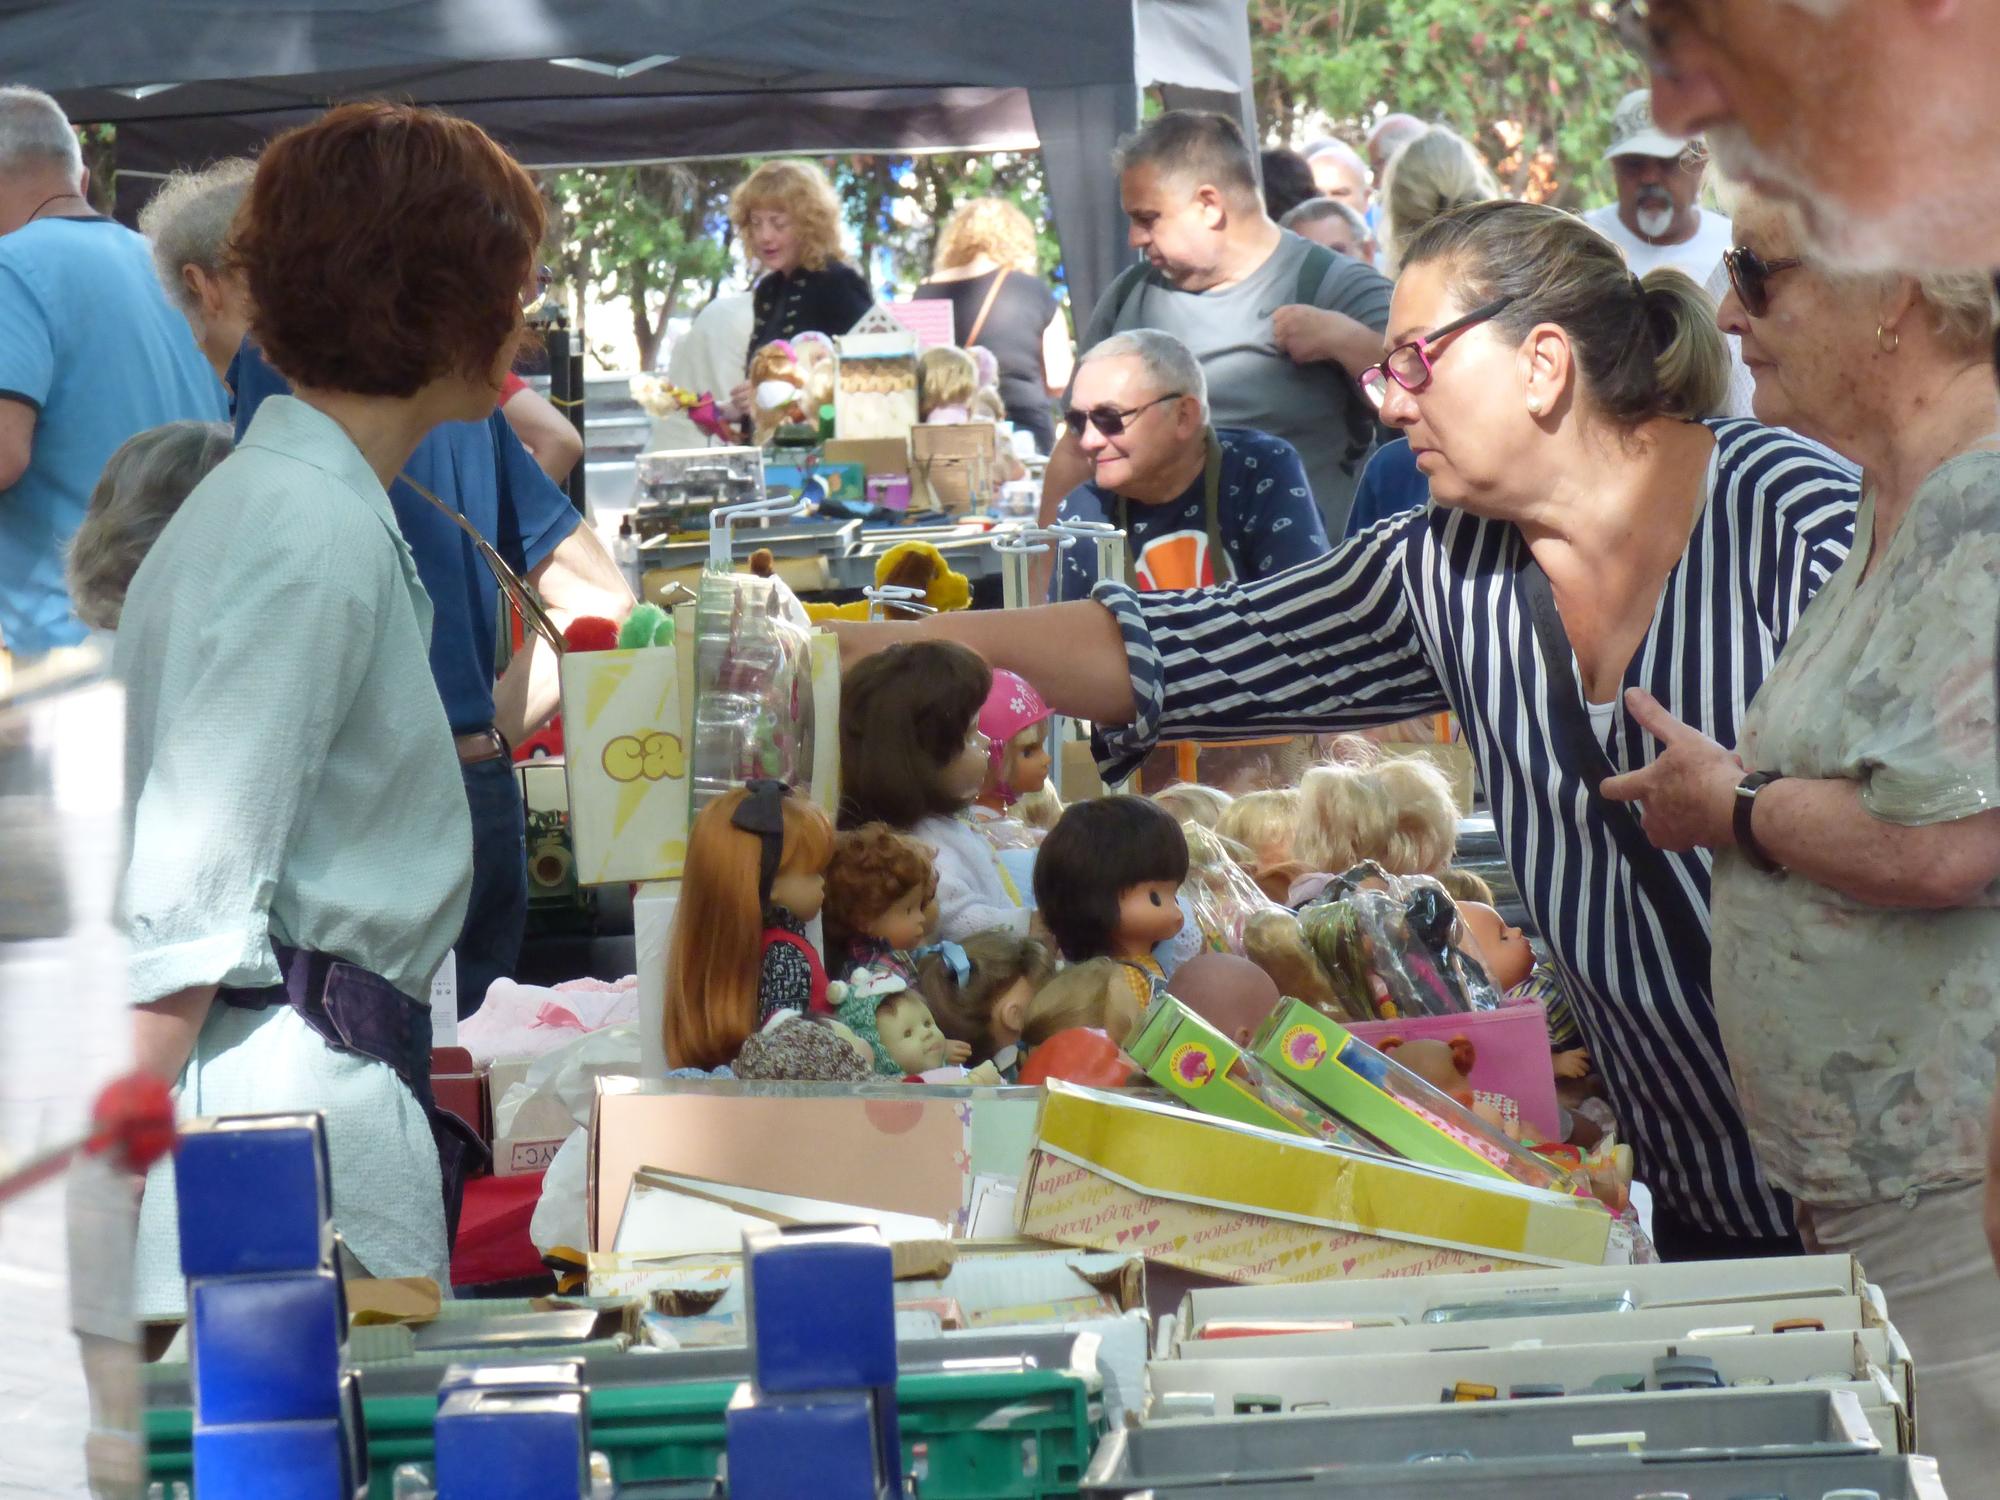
(490, 944)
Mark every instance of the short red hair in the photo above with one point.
(384, 247)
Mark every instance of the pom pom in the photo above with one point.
(647, 625)
(591, 633)
(762, 564)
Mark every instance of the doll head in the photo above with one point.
(1043, 809)
(980, 990)
(1465, 885)
(1274, 941)
(1263, 825)
(1015, 722)
(1445, 1065)
(946, 376)
(752, 848)
(910, 746)
(804, 1049)
(1108, 877)
(1098, 995)
(880, 885)
(778, 389)
(1502, 949)
(894, 1022)
(1191, 802)
(1229, 992)
(1399, 812)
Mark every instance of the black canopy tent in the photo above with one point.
(597, 82)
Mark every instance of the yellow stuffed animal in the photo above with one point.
(910, 565)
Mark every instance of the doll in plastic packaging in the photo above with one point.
(980, 990)
(1393, 946)
(881, 900)
(912, 757)
(1399, 812)
(1108, 881)
(755, 875)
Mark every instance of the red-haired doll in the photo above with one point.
(755, 875)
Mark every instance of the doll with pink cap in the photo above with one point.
(1015, 722)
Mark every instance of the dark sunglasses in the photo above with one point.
(1110, 420)
(1750, 276)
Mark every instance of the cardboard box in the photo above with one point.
(1323, 1060)
(875, 379)
(1206, 1071)
(1245, 1204)
(255, 1195)
(627, 743)
(526, 1134)
(670, 1215)
(890, 455)
(1511, 1055)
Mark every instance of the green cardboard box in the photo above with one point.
(1324, 1061)
(1206, 1071)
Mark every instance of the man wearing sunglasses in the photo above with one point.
(1198, 504)
(1281, 327)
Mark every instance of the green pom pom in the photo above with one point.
(647, 625)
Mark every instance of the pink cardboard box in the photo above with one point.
(1511, 1055)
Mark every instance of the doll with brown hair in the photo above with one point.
(1263, 825)
(980, 990)
(754, 877)
(1399, 812)
(1096, 995)
(1107, 884)
(912, 757)
(947, 380)
(881, 900)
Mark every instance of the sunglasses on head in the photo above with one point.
(1750, 276)
(1110, 420)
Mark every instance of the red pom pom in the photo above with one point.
(134, 1119)
(591, 633)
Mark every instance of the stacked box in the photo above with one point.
(820, 1416)
(267, 1318)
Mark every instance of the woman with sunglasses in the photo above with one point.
(1855, 818)
(1590, 531)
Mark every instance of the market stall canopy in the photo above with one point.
(598, 82)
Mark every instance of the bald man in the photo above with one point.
(1391, 135)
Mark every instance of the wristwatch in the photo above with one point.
(1746, 837)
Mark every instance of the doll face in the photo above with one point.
(909, 1034)
(1026, 764)
(904, 924)
(800, 892)
(965, 773)
(1502, 950)
(1148, 914)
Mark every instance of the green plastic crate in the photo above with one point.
(971, 1436)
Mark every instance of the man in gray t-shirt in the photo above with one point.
(1226, 281)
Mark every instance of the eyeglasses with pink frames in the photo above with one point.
(1409, 365)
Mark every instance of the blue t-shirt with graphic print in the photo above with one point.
(1264, 514)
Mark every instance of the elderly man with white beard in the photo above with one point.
(1657, 220)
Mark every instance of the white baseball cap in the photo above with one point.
(1633, 132)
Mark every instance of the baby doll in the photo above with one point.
(754, 877)
(1501, 948)
(980, 991)
(1108, 880)
(912, 757)
(1465, 885)
(947, 380)
(1230, 993)
(1100, 994)
(1262, 824)
(1400, 812)
(1191, 802)
(881, 899)
(1015, 722)
(894, 1021)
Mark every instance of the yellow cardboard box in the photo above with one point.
(627, 743)
(1183, 1187)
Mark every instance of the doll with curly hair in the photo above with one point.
(881, 900)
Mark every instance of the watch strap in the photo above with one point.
(1746, 806)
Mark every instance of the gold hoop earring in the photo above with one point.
(1891, 343)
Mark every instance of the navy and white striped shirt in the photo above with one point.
(1424, 612)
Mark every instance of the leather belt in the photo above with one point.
(481, 745)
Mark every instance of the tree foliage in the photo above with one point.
(1532, 85)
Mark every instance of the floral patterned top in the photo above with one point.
(1863, 1039)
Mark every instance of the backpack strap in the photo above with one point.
(1315, 269)
(1124, 294)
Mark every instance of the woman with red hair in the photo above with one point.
(300, 847)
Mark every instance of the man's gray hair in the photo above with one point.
(1314, 209)
(1193, 148)
(1335, 147)
(188, 222)
(34, 132)
(1170, 365)
(141, 488)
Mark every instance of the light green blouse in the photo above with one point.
(1862, 1039)
(291, 773)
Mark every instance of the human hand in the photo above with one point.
(1575, 1063)
(957, 1052)
(1687, 796)
(741, 396)
(1304, 334)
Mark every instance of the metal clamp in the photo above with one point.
(880, 596)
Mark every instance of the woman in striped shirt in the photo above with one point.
(1553, 403)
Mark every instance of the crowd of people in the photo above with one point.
(1693, 521)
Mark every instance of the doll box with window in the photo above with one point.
(875, 380)
(1511, 1055)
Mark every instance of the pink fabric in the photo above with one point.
(1011, 706)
